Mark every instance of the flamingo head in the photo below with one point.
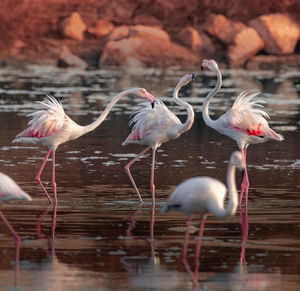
(143, 93)
(210, 64)
(186, 79)
(237, 159)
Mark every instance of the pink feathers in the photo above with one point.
(45, 121)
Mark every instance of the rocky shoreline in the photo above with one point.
(261, 42)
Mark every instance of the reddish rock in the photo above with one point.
(222, 28)
(119, 33)
(278, 31)
(67, 59)
(144, 31)
(194, 40)
(147, 19)
(247, 43)
(141, 51)
(102, 28)
(73, 27)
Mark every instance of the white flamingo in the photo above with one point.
(152, 127)
(244, 122)
(51, 127)
(203, 195)
(9, 190)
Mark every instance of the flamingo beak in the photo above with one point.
(152, 104)
(193, 76)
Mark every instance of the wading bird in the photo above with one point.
(9, 190)
(152, 127)
(51, 127)
(245, 122)
(205, 195)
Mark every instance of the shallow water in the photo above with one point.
(100, 238)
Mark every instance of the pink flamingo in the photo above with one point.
(9, 190)
(205, 195)
(51, 127)
(244, 122)
(156, 126)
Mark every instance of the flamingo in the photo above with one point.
(9, 190)
(244, 122)
(154, 127)
(205, 195)
(51, 127)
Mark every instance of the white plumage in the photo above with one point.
(9, 189)
(156, 125)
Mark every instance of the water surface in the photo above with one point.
(101, 239)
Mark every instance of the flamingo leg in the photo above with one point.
(245, 184)
(11, 229)
(127, 170)
(245, 228)
(53, 178)
(152, 186)
(198, 248)
(186, 238)
(38, 176)
(152, 221)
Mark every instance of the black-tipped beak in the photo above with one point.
(243, 173)
(202, 67)
(152, 104)
(193, 76)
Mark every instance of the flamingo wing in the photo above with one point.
(45, 121)
(9, 190)
(149, 119)
(247, 116)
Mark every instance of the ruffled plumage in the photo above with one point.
(45, 121)
(148, 119)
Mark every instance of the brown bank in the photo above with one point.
(97, 34)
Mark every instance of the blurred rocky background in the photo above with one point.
(141, 33)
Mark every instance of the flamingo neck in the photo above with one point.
(190, 112)
(205, 111)
(233, 195)
(103, 115)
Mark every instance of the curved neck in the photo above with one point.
(233, 195)
(190, 112)
(209, 97)
(103, 115)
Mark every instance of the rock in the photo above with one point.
(119, 32)
(102, 28)
(222, 28)
(143, 51)
(247, 43)
(194, 40)
(67, 59)
(144, 31)
(147, 19)
(73, 27)
(278, 31)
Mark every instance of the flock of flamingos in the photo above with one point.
(245, 122)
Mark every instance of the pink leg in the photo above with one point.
(245, 184)
(152, 186)
(38, 176)
(245, 228)
(53, 178)
(127, 170)
(152, 221)
(184, 253)
(11, 229)
(53, 229)
(197, 260)
(186, 238)
(17, 263)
